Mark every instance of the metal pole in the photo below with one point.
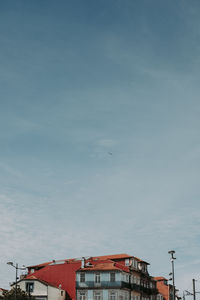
(173, 281)
(16, 267)
(194, 292)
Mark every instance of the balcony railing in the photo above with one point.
(102, 284)
(115, 284)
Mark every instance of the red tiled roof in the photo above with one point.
(159, 278)
(112, 256)
(40, 265)
(104, 265)
(52, 262)
(59, 274)
(104, 257)
(32, 277)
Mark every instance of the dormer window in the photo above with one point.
(135, 264)
(127, 262)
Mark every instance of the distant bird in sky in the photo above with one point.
(110, 153)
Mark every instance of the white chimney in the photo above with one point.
(83, 262)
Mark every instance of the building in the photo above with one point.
(165, 290)
(117, 277)
(109, 277)
(60, 273)
(41, 290)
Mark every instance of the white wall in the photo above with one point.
(40, 289)
(55, 294)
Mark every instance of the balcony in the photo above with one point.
(148, 291)
(145, 290)
(135, 287)
(102, 284)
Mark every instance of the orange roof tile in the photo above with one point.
(106, 265)
(159, 278)
(104, 257)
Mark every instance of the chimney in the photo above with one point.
(83, 262)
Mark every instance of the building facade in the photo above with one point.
(108, 277)
(118, 278)
(165, 290)
(41, 290)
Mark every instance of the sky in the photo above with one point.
(99, 139)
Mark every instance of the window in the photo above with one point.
(97, 278)
(126, 295)
(29, 287)
(159, 297)
(112, 295)
(97, 295)
(112, 276)
(135, 264)
(82, 296)
(127, 262)
(82, 277)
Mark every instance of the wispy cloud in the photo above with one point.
(107, 143)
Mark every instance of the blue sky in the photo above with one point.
(80, 79)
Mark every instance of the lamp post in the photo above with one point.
(16, 266)
(171, 252)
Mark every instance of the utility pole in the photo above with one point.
(173, 281)
(194, 291)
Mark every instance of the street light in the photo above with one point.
(171, 252)
(16, 274)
